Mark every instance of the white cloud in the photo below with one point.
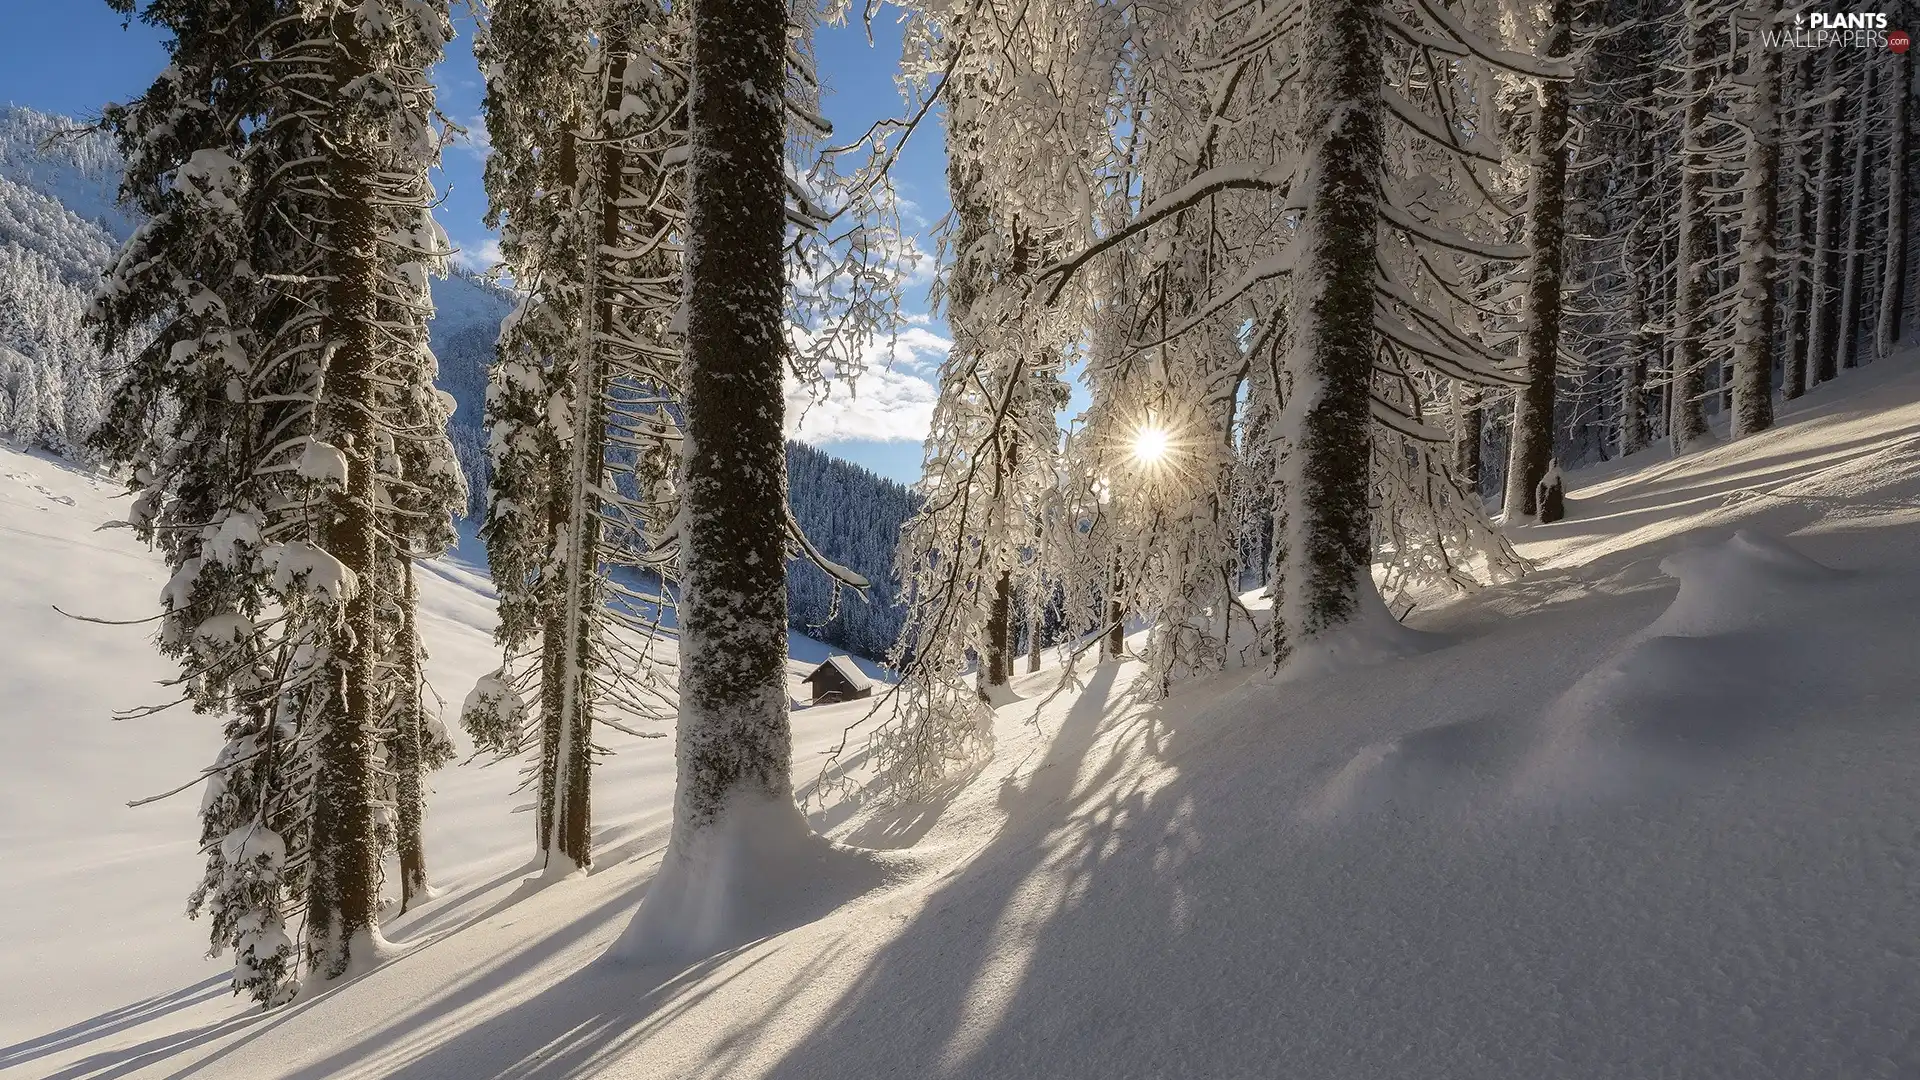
(475, 140)
(891, 401)
(478, 258)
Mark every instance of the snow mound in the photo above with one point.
(1732, 584)
(756, 871)
(1727, 666)
(999, 696)
(1442, 769)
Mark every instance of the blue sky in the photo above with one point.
(72, 56)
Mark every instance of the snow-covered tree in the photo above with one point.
(1754, 344)
(286, 444)
(1552, 143)
(584, 108)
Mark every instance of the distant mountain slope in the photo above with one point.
(57, 157)
(854, 516)
(52, 376)
(59, 225)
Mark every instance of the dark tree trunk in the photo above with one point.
(1530, 454)
(344, 862)
(1753, 338)
(1036, 620)
(553, 623)
(1893, 277)
(1469, 417)
(1000, 631)
(1688, 388)
(1800, 204)
(1329, 543)
(572, 838)
(1643, 354)
(734, 738)
(1824, 272)
(1853, 269)
(408, 760)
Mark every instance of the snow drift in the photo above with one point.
(1610, 821)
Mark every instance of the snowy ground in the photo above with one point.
(1602, 825)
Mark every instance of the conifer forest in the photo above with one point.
(1269, 664)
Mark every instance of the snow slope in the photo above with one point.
(1651, 811)
(91, 918)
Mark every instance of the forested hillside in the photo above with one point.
(59, 225)
(855, 517)
(52, 373)
(1413, 572)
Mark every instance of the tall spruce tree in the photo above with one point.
(1687, 387)
(1531, 450)
(584, 107)
(1754, 344)
(287, 445)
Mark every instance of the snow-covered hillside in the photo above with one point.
(59, 223)
(93, 914)
(1650, 811)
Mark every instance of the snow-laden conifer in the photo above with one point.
(286, 448)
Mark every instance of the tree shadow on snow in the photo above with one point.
(1131, 921)
(113, 1022)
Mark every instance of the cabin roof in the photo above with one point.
(847, 670)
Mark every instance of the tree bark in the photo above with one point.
(1114, 645)
(1824, 271)
(1893, 277)
(408, 762)
(1000, 631)
(553, 624)
(1853, 269)
(1688, 418)
(1643, 351)
(734, 737)
(1793, 379)
(1469, 416)
(344, 861)
(1530, 453)
(1753, 337)
(571, 841)
(1036, 620)
(1328, 538)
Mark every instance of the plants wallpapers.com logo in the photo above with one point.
(1837, 29)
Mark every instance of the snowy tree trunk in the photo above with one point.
(1469, 415)
(407, 759)
(344, 865)
(1692, 262)
(1036, 622)
(1327, 539)
(1824, 269)
(1643, 350)
(734, 738)
(1753, 336)
(570, 846)
(559, 511)
(1000, 631)
(1000, 606)
(1530, 453)
(1793, 368)
(1853, 269)
(1893, 276)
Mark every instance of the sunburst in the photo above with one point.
(1151, 444)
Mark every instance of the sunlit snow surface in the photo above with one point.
(1586, 829)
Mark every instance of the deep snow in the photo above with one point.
(1653, 810)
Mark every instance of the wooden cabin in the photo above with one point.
(839, 679)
